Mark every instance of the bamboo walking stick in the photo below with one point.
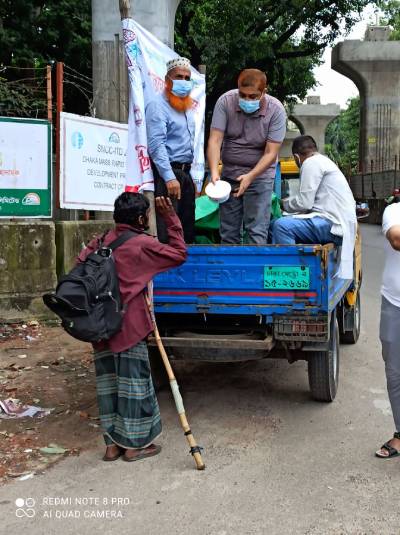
(195, 450)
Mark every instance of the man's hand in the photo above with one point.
(164, 206)
(245, 181)
(282, 203)
(215, 178)
(174, 189)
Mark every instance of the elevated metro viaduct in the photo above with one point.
(374, 66)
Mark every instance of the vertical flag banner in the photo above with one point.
(146, 58)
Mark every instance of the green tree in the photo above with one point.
(36, 32)
(285, 39)
(342, 137)
(391, 10)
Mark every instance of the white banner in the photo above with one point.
(92, 162)
(147, 58)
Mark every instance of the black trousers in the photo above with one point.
(185, 207)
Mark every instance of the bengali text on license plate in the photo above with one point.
(286, 277)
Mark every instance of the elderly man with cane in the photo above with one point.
(128, 408)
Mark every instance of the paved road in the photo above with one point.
(277, 462)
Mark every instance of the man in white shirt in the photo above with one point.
(324, 211)
(390, 322)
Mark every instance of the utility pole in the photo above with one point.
(110, 81)
(110, 78)
(59, 109)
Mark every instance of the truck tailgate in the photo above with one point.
(247, 279)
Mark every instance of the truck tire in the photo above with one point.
(323, 367)
(351, 337)
(158, 372)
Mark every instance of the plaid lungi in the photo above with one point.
(128, 407)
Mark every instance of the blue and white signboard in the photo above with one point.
(92, 162)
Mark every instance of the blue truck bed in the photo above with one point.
(220, 279)
(245, 302)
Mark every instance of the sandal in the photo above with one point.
(145, 452)
(392, 452)
(114, 457)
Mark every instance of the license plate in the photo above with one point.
(286, 277)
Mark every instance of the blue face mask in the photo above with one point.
(182, 88)
(249, 106)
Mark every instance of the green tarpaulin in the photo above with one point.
(207, 213)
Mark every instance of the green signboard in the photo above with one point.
(25, 168)
(286, 278)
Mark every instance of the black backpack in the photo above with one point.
(88, 299)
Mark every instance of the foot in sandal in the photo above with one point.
(391, 448)
(135, 455)
(113, 452)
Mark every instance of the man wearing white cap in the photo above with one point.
(170, 135)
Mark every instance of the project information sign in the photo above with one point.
(92, 162)
(25, 168)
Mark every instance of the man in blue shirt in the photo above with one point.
(170, 136)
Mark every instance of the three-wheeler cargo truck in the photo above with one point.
(244, 302)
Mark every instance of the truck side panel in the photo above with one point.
(231, 280)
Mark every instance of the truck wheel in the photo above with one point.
(323, 367)
(352, 336)
(158, 372)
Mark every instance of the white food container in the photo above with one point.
(218, 192)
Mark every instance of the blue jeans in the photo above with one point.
(290, 230)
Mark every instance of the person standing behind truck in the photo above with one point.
(324, 210)
(170, 134)
(128, 407)
(249, 126)
(390, 322)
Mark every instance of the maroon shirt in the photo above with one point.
(137, 261)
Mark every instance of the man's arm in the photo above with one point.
(156, 125)
(391, 225)
(214, 152)
(310, 179)
(158, 257)
(276, 134)
(269, 157)
(218, 126)
(393, 235)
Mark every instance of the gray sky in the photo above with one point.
(333, 86)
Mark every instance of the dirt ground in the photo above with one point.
(43, 366)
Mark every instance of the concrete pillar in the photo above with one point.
(374, 66)
(313, 118)
(110, 76)
(286, 148)
(110, 83)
